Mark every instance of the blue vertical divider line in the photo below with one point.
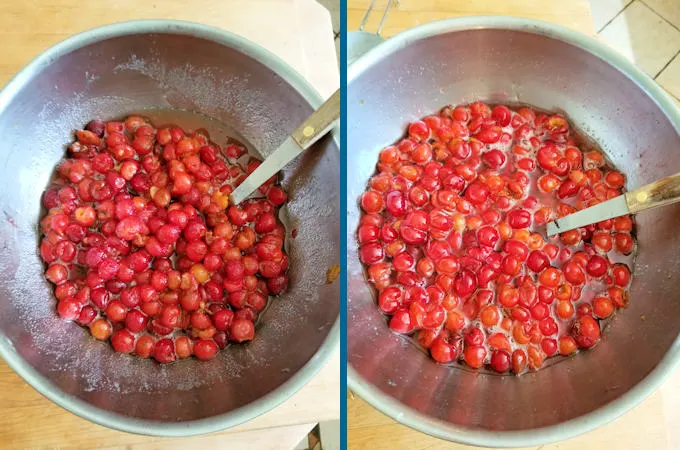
(343, 224)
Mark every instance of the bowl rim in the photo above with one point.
(606, 413)
(142, 426)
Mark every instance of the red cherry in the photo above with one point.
(494, 159)
(412, 235)
(443, 351)
(477, 193)
(123, 341)
(368, 233)
(573, 273)
(372, 201)
(519, 218)
(548, 326)
(621, 274)
(549, 346)
(389, 299)
(164, 351)
(395, 203)
(547, 156)
(517, 248)
(586, 331)
(205, 349)
(474, 336)
(454, 183)
(500, 361)
(474, 356)
(488, 236)
(419, 130)
(623, 242)
(401, 321)
(502, 115)
(465, 282)
(567, 189)
(537, 261)
(490, 135)
(597, 266)
(546, 294)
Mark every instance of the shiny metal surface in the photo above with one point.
(309, 132)
(276, 160)
(359, 42)
(508, 60)
(615, 207)
(171, 70)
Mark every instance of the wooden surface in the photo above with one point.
(28, 420)
(298, 31)
(405, 14)
(652, 425)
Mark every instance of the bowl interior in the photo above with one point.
(218, 83)
(518, 66)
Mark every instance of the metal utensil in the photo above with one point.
(518, 61)
(308, 133)
(665, 191)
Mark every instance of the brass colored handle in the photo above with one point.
(659, 193)
(319, 123)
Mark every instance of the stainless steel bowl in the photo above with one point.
(500, 59)
(209, 78)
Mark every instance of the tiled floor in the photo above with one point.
(325, 436)
(645, 31)
(334, 7)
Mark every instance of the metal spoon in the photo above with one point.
(311, 130)
(665, 191)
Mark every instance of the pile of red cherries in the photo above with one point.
(144, 249)
(452, 236)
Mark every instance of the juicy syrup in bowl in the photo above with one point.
(438, 216)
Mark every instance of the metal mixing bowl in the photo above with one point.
(200, 76)
(499, 59)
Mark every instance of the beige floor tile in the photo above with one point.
(668, 9)
(669, 79)
(606, 10)
(334, 7)
(330, 435)
(643, 37)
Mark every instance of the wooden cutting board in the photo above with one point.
(298, 31)
(652, 424)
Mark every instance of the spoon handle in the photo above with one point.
(311, 130)
(659, 193)
(319, 123)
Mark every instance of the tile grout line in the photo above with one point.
(667, 64)
(614, 18)
(659, 14)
